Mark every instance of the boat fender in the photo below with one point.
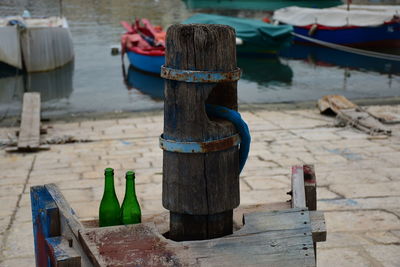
(312, 30)
(240, 125)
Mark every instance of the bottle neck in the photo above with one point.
(130, 187)
(109, 187)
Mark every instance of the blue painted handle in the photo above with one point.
(241, 126)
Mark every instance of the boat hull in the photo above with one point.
(386, 35)
(36, 48)
(258, 4)
(148, 63)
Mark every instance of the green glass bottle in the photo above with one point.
(130, 209)
(109, 210)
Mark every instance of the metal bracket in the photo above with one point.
(197, 76)
(199, 147)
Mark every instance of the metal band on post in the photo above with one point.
(194, 76)
(199, 147)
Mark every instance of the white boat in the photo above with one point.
(361, 25)
(35, 44)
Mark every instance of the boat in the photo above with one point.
(257, 4)
(144, 45)
(355, 25)
(256, 36)
(35, 44)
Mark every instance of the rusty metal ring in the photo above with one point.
(199, 147)
(200, 76)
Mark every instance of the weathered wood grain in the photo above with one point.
(61, 255)
(70, 224)
(278, 238)
(298, 191)
(45, 219)
(203, 184)
(318, 226)
(29, 135)
(310, 187)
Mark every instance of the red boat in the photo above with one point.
(144, 44)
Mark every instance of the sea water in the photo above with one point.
(94, 82)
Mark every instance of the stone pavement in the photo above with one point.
(358, 178)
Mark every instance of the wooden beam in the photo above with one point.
(318, 227)
(61, 254)
(29, 136)
(46, 223)
(66, 212)
(310, 187)
(298, 192)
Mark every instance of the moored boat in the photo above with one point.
(144, 45)
(258, 37)
(257, 4)
(360, 26)
(35, 44)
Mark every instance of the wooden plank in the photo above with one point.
(61, 254)
(70, 224)
(45, 219)
(278, 238)
(29, 136)
(363, 121)
(68, 214)
(318, 226)
(310, 187)
(298, 191)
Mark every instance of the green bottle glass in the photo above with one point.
(130, 209)
(109, 210)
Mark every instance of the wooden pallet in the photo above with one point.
(279, 234)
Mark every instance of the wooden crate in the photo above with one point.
(275, 234)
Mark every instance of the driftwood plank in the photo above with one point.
(29, 135)
(298, 191)
(61, 254)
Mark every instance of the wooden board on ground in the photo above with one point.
(29, 135)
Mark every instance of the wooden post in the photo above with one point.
(200, 189)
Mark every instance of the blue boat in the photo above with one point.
(355, 25)
(146, 62)
(257, 4)
(144, 44)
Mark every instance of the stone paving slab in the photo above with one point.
(358, 177)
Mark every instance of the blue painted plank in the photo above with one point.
(45, 219)
(60, 253)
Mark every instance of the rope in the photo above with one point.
(241, 126)
(350, 49)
